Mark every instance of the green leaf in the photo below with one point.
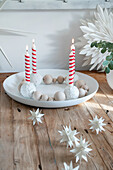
(109, 50)
(103, 50)
(109, 57)
(105, 63)
(96, 44)
(107, 70)
(111, 65)
(92, 44)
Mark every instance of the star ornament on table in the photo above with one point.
(70, 167)
(68, 135)
(81, 150)
(36, 116)
(97, 124)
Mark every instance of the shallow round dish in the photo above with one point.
(11, 87)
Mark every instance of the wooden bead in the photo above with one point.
(82, 92)
(47, 79)
(80, 83)
(50, 99)
(54, 80)
(22, 82)
(85, 87)
(44, 97)
(59, 96)
(60, 79)
(36, 95)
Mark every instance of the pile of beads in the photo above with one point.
(59, 96)
(48, 79)
(81, 89)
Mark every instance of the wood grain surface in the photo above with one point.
(27, 147)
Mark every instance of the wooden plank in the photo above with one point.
(46, 152)
(38, 147)
(54, 123)
(6, 131)
(107, 90)
(73, 116)
(26, 156)
(104, 103)
(95, 109)
(104, 140)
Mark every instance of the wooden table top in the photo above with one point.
(27, 147)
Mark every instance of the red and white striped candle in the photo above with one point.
(71, 69)
(73, 50)
(34, 62)
(27, 66)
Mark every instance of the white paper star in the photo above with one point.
(96, 124)
(36, 116)
(70, 167)
(81, 150)
(68, 135)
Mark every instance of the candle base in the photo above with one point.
(27, 89)
(36, 78)
(71, 92)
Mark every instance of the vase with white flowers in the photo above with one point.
(108, 63)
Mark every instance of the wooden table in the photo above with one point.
(27, 147)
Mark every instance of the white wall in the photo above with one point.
(53, 31)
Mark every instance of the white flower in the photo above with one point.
(36, 116)
(70, 167)
(100, 28)
(68, 135)
(96, 124)
(81, 150)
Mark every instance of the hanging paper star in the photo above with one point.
(68, 136)
(81, 150)
(36, 116)
(96, 124)
(70, 167)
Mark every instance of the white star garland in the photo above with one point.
(70, 167)
(36, 116)
(68, 136)
(97, 124)
(81, 150)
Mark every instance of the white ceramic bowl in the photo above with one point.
(11, 87)
(110, 78)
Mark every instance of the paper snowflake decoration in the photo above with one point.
(68, 135)
(81, 150)
(100, 28)
(36, 116)
(70, 167)
(97, 124)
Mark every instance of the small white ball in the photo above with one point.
(59, 96)
(36, 95)
(36, 79)
(44, 97)
(76, 77)
(27, 89)
(48, 79)
(82, 92)
(71, 92)
(80, 83)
